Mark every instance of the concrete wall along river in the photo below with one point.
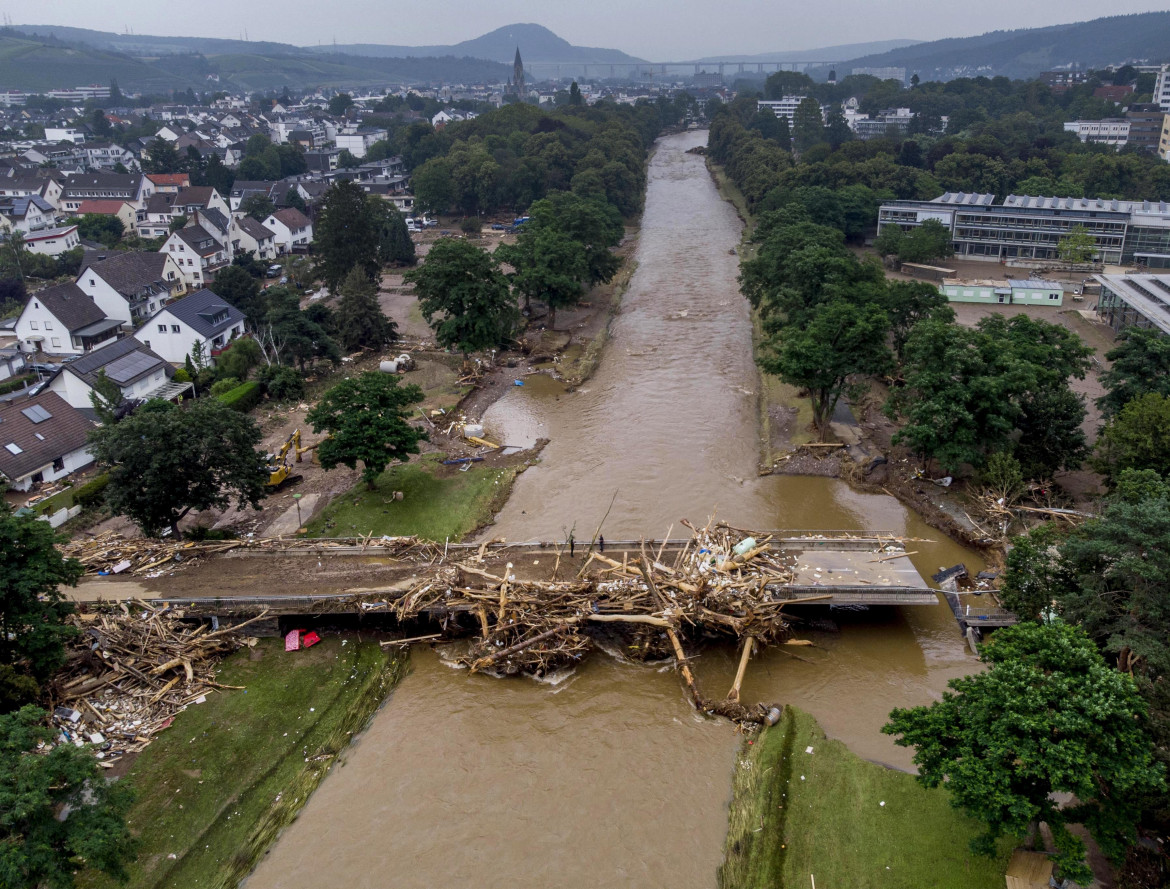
(607, 778)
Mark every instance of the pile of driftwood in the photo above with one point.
(724, 581)
(130, 671)
(109, 553)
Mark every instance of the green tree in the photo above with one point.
(360, 321)
(464, 297)
(1139, 363)
(258, 206)
(340, 103)
(1077, 246)
(238, 359)
(33, 631)
(347, 161)
(434, 188)
(931, 240)
(575, 97)
(840, 341)
(161, 156)
(292, 198)
(165, 461)
(550, 266)
(105, 397)
(808, 126)
(1048, 716)
(395, 246)
(241, 290)
(592, 222)
(291, 335)
(908, 302)
(60, 813)
(366, 419)
(345, 236)
(1137, 438)
(106, 230)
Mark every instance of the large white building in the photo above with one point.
(784, 107)
(1162, 88)
(1110, 131)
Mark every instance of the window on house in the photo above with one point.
(162, 328)
(48, 325)
(13, 448)
(56, 343)
(91, 282)
(33, 325)
(59, 464)
(174, 328)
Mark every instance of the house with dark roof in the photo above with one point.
(53, 241)
(252, 237)
(131, 286)
(292, 228)
(27, 214)
(42, 439)
(198, 253)
(201, 319)
(134, 188)
(64, 320)
(139, 372)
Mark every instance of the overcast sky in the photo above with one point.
(656, 30)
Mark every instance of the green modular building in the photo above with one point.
(1016, 292)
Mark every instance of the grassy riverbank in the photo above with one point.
(218, 786)
(785, 416)
(439, 502)
(796, 813)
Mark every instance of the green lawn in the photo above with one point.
(798, 815)
(218, 785)
(433, 507)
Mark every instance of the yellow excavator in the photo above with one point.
(279, 466)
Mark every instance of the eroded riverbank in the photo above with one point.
(610, 779)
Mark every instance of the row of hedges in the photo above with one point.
(92, 492)
(15, 383)
(244, 397)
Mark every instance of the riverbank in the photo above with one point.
(217, 787)
(804, 805)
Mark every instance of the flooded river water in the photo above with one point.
(609, 778)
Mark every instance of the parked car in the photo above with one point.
(274, 271)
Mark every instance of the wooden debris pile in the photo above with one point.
(130, 671)
(724, 581)
(109, 553)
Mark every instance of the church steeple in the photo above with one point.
(518, 74)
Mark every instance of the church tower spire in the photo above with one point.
(518, 74)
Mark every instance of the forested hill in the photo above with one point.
(1027, 52)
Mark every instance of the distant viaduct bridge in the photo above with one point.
(660, 70)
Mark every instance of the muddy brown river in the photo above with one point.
(607, 777)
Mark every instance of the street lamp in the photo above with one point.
(297, 498)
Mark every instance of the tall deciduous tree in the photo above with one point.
(1137, 438)
(808, 126)
(366, 418)
(841, 340)
(1139, 363)
(59, 813)
(592, 222)
(464, 296)
(165, 461)
(360, 321)
(1048, 716)
(394, 244)
(33, 631)
(549, 266)
(344, 236)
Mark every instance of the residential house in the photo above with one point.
(42, 440)
(252, 237)
(198, 254)
(64, 320)
(134, 188)
(154, 220)
(131, 286)
(201, 320)
(124, 211)
(358, 142)
(28, 214)
(139, 372)
(107, 156)
(52, 241)
(292, 228)
(171, 182)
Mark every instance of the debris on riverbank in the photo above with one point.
(131, 671)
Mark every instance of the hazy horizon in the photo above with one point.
(656, 31)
